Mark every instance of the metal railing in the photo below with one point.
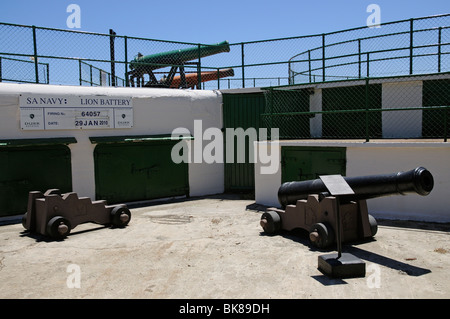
(415, 106)
(283, 66)
(412, 46)
(363, 57)
(93, 76)
(8, 71)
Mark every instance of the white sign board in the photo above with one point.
(50, 112)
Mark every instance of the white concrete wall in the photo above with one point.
(315, 105)
(156, 111)
(400, 95)
(266, 185)
(381, 157)
(380, 160)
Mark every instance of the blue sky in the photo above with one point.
(210, 21)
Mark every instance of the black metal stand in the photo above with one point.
(340, 265)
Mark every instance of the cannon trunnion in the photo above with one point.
(307, 205)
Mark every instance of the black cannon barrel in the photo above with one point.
(418, 180)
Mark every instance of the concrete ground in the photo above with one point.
(214, 247)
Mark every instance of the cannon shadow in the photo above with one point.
(301, 236)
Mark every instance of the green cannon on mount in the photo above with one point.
(307, 205)
(146, 64)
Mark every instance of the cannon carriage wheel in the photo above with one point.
(322, 235)
(373, 225)
(58, 227)
(270, 222)
(120, 216)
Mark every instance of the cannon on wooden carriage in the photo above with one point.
(54, 214)
(309, 206)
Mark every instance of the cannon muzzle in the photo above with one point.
(418, 180)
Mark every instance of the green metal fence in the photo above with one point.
(93, 76)
(386, 82)
(413, 46)
(22, 71)
(415, 106)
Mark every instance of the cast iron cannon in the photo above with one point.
(54, 214)
(308, 205)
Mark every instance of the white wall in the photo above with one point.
(315, 105)
(400, 95)
(156, 111)
(266, 185)
(381, 157)
(380, 160)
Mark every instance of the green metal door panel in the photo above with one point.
(32, 168)
(435, 93)
(138, 171)
(305, 163)
(241, 111)
(351, 125)
(286, 101)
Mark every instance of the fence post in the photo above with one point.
(359, 58)
(323, 57)
(243, 72)
(411, 26)
(1, 76)
(290, 73)
(48, 74)
(218, 78)
(271, 112)
(126, 60)
(445, 122)
(367, 65)
(199, 69)
(309, 65)
(439, 49)
(366, 102)
(112, 38)
(90, 73)
(36, 66)
(79, 72)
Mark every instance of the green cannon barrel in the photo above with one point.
(177, 57)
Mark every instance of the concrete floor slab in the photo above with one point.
(214, 247)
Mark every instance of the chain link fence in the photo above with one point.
(94, 76)
(381, 82)
(413, 46)
(395, 107)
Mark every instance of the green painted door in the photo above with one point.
(241, 111)
(286, 102)
(351, 124)
(434, 122)
(126, 172)
(304, 163)
(31, 168)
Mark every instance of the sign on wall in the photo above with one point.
(53, 112)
